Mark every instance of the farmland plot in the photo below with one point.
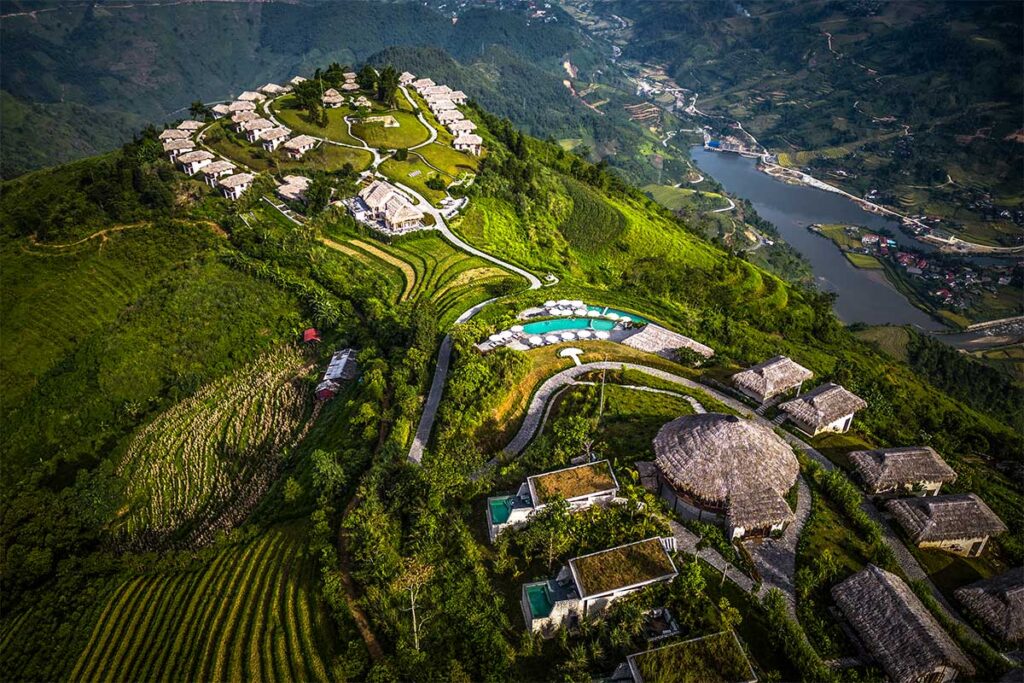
(204, 464)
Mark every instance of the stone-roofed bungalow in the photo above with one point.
(172, 134)
(666, 343)
(775, 376)
(580, 486)
(461, 125)
(457, 96)
(715, 658)
(449, 115)
(998, 603)
(178, 146)
(192, 162)
(219, 111)
(406, 78)
(897, 629)
(272, 138)
(238, 118)
(332, 99)
(914, 469)
(299, 145)
(253, 128)
(293, 187)
(251, 96)
(272, 89)
(469, 142)
(440, 104)
(421, 83)
(959, 524)
(234, 186)
(241, 105)
(216, 169)
(726, 469)
(828, 408)
(588, 584)
(190, 125)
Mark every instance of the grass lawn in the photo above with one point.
(891, 339)
(865, 261)
(409, 131)
(675, 198)
(295, 119)
(400, 171)
(330, 158)
(950, 572)
(236, 148)
(448, 160)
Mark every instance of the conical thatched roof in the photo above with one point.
(725, 459)
(888, 467)
(946, 518)
(823, 405)
(895, 627)
(772, 377)
(998, 603)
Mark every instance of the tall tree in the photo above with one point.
(199, 111)
(387, 86)
(415, 575)
(367, 77)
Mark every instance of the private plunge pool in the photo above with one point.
(501, 508)
(540, 602)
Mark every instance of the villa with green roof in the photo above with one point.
(716, 658)
(588, 584)
(580, 486)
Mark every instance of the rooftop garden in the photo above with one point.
(574, 482)
(717, 658)
(623, 566)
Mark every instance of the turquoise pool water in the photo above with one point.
(540, 603)
(500, 510)
(632, 316)
(559, 324)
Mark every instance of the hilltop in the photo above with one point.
(169, 479)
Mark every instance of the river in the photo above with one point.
(861, 295)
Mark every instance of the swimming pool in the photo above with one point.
(540, 603)
(622, 314)
(501, 508)
(559, 324)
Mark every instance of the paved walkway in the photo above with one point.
(775, 558)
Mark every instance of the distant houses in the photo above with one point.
(406, 78)
(215, 170)
(252, 129)
(589, 584)
(468, 142)
(342, 367)
(771, 378)
(234, 186)
(897, 629)
(190, 126)
(192, 162)
(461, 125)
(827, 408)
(580, 486)
(293, 188)
(960, 524)
(915, 469)
(297, 147)
(273, 89)
(332, 99)
(272, 138)
(178, 146)
(251, 96)
(172, 134)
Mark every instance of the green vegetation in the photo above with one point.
(676, 198)
(864, 261)
(623, 566)
(450, 161)
(416, 174)
(287, 112)
(375, 129)
(716, 658)
(593, 223)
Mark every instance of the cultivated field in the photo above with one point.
(203, 464)
(250, 614)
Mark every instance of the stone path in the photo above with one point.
(775, 558)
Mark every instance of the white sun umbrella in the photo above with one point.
(563, 313)
(593, 314)
(552, 339)
(505, 335)
(495, 337)
(518, 346)
(612, 316)
(582, 312)
(516, 328)
(576, 303)
(568, 336)
(584, 334)
(536, 340)
(550, 303)
(601, 334)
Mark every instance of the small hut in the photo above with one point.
(311, 336)
(828, 408)
(722, 467)
(959, 524)
(998, 603)
(897, 629)
(775, 376)
(914, 469)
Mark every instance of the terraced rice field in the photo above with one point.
(205, 462)
(251, 614)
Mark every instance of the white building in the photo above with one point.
(295, 80)
(435, 90)
(828, 408)
(406, 78)
(252, 129)
(293, 187)
(219, 111)
(241, 105)
(421, 83)
(580, 486)
(449, 116)
(299, 145)
(332, 99)
(191, 162)
(461, 126)
(272, 138)
(179, 146)
(469, 142)
(771, 378)
(215, 170)
(440, 104)
(273, 89)
(190, 125)
(457, 96)
(389, 208)
(251, 96)
(172, 134)
(234, 186)
(238, 118)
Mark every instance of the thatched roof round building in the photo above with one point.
(729, 462)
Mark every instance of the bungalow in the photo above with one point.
(238, 118)
(350, 86)
(295, 80)
(421, 83)
(216, 169)
(440, 104)
(179, 146)
(828, 408)
(299, 145)
(406, 78)
(272, 138)
(457, 96)
(234, 186)
(588, 584)
(350, 75)
(580, 486)
(915, 469)
(960, 524)
(342, 367)
(362, 102)
(190, 125)
(172, 134)
(432, 90)
(469, 142)
(400, 217)
(332, 99)
(219, 111)
(385, 203)
(251, 96)
(252, 129)
(666, 343)
(897, 629)
(293, 188)
(449, 115)
(241, 105)
(272, 89)
(771, 378)
(716, 657)
(461, 126)
(191, 162)
(998, 603)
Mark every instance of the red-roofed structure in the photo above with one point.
(311, 336)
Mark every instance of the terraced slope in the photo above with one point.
(250, 614)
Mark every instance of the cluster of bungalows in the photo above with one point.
(259, 130)
(444, 103)
(579, 486)
(382, 206)
(219, 174)
(342, 367)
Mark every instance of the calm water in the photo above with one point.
(862, 296)
(562, 324)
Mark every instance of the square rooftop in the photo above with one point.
(622, 567)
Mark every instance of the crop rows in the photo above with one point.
(197, 458)
(251, 614)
